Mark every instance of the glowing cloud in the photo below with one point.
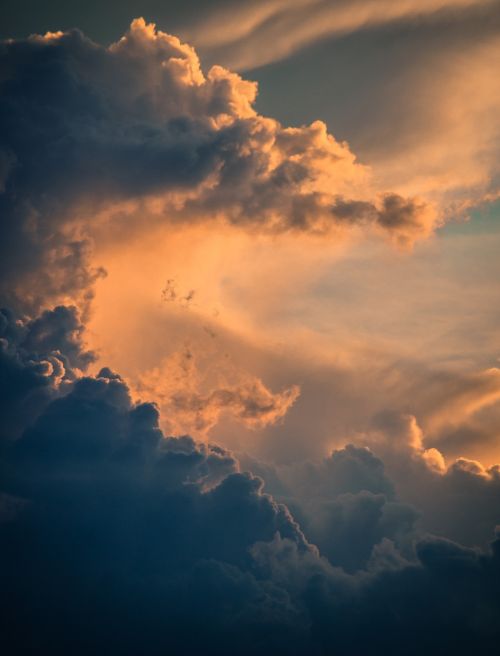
(140, 124)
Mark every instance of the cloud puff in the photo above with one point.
(85, 128)
(38, 358)
(192, 400)
(439, 595)
(458, 500)
(346, 504)
(350, 503)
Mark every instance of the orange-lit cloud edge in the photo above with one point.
(248, 245)
(221, 264)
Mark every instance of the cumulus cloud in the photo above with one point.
(38, 358)
(360, 499)
(192, 507)
(458, 499)
(410, 85)
(162, 543)
(347, 506)
(85, 128)
(101, 512)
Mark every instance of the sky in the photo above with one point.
(249, 336)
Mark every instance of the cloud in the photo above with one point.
(455, 398)
(432, 107)
(387, 487)
(38, 358)
(414, 595)
(457, 499)
(88, 132)
(117, 537)
(193, 398)
(269, 31)
(131, 505)
(416, 98)
(346, 504)
(163, 543)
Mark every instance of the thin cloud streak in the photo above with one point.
(269, 31)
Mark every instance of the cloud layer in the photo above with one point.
(115, 537)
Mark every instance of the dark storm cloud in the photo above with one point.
(460, 501)
(102, 497)
(37, 358)
(352, 502)
(346, 504)
(463, 503)
(115, 538)
(58, 330)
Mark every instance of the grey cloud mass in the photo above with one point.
(120, 539)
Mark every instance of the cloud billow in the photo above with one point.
(85, 128)
(38, 359)
(115, 537)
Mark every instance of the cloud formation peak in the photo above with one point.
(136, 132)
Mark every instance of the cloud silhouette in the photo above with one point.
(116, 537)
(38, 358)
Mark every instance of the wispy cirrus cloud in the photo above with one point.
(251, 35)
